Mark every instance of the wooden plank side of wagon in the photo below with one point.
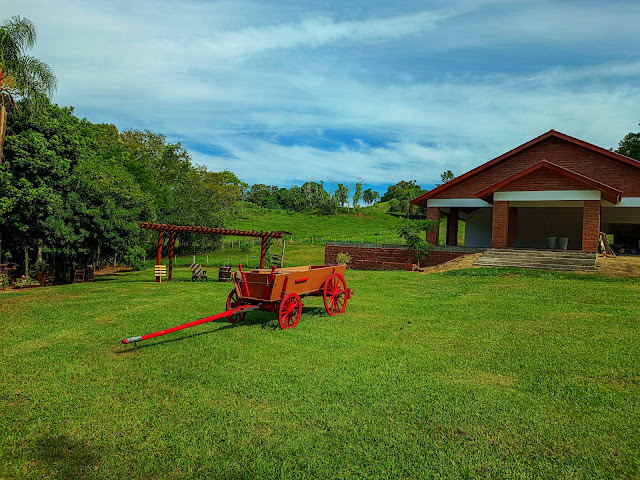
(312, 281)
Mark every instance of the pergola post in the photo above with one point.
(171, 242)
(159, 253)
(263, 251)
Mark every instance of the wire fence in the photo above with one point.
(380, 237)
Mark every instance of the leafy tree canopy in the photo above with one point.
(630, 145)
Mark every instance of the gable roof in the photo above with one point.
(551, 133)
(610, 194)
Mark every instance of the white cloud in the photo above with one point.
(242, 76)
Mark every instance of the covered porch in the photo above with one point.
(521, 224)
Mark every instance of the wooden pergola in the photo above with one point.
(173, 229)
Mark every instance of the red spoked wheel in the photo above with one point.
(335, 294)
(234, 302)
(290, 311)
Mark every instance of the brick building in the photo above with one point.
(552, 186)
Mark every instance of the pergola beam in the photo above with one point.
(159, 227)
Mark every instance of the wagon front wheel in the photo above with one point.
(234, 302)
(290, 311)
(335, 294)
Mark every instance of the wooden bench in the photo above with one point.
(197, 273)
(276, 260)
(161, 271)
(78, 275)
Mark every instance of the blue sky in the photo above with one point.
(281, 92)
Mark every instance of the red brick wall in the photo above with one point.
(566, 154)
(590, 225)
(385, 257)
(545, 179)
(499, 229)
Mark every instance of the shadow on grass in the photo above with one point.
(266, 320)
(63, 457)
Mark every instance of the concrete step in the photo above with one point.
(564, 260)
(542, 257)
(561, 268)
(540, 253)
(535, 261)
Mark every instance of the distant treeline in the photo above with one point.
(313, 196)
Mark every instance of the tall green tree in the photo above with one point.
(400, 195)
(369, 196)
(341, 194)
(21, 76)
(446, 176)
(263, 195)
(630, 145)
(315, 194)
(357, 195)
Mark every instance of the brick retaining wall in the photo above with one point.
(374, 256)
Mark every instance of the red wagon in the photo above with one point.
(276, 290)
(281, 290)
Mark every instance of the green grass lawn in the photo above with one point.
(483, 373)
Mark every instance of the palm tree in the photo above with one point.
(369, 196)
(21, 76)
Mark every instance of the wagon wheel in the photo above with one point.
(234, 302)
(335, 294)
(290, 311)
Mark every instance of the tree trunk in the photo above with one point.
(39, 254)
(3, 130)
(26, 261)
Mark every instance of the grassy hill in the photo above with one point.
(370, 224)
(366, 224)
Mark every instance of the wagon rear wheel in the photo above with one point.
(290, 311)
(335, 294)
(234, 302)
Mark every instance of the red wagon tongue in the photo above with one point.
(190, 324)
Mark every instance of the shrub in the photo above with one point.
(343, 258)
(412, 230)
(135, 259)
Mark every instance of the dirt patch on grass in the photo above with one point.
(620, 266)
(112, 270)
(465, 261)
